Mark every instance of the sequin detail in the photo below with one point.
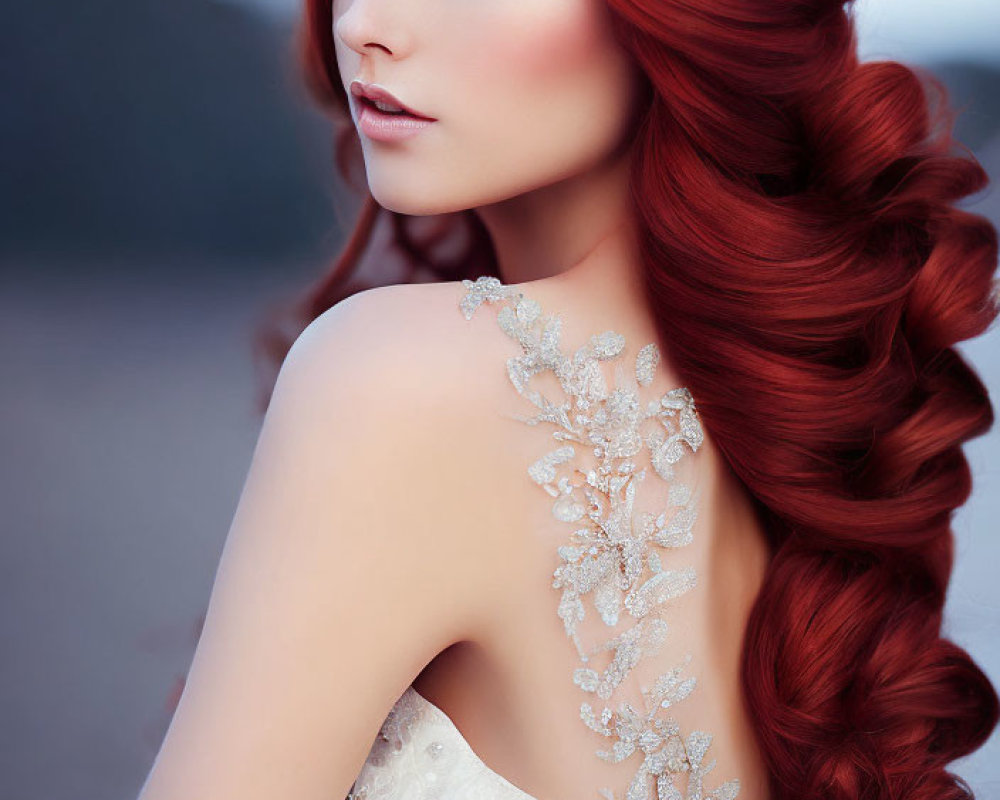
(609, 558)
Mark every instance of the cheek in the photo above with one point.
(544, 58)
(560, 34)
(529, 42)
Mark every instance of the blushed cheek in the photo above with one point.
(538, 45)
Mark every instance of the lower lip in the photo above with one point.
(389, 127)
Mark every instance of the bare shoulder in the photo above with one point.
(407, 348)
(401, 381)
(350, 562)
(390, 324)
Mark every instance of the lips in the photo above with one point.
(370, 92)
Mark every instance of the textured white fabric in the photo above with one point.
(420, 755)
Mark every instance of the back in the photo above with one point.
(619, 562)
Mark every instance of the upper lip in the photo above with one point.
(373, 91)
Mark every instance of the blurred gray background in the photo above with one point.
(165, 183)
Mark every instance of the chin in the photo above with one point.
(419, 201)
(410, 206)
(444, 192)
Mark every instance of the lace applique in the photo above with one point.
(419, 754)
(426, 768)
(609, 556)
(394, 733)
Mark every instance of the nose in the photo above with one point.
(370, 26)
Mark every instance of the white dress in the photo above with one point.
(419, 754)
(620, 562)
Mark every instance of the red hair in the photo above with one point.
(807, 264)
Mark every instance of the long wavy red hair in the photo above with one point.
(807, 263)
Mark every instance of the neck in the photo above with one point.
(576, 230)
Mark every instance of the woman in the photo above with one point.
(645, 492)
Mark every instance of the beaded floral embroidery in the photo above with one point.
(610, 557)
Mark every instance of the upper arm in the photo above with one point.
(330, 595)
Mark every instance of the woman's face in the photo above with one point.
(524, 93)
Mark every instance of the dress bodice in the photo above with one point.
(613, 464)
(419, 754)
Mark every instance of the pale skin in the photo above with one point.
(387, 533)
